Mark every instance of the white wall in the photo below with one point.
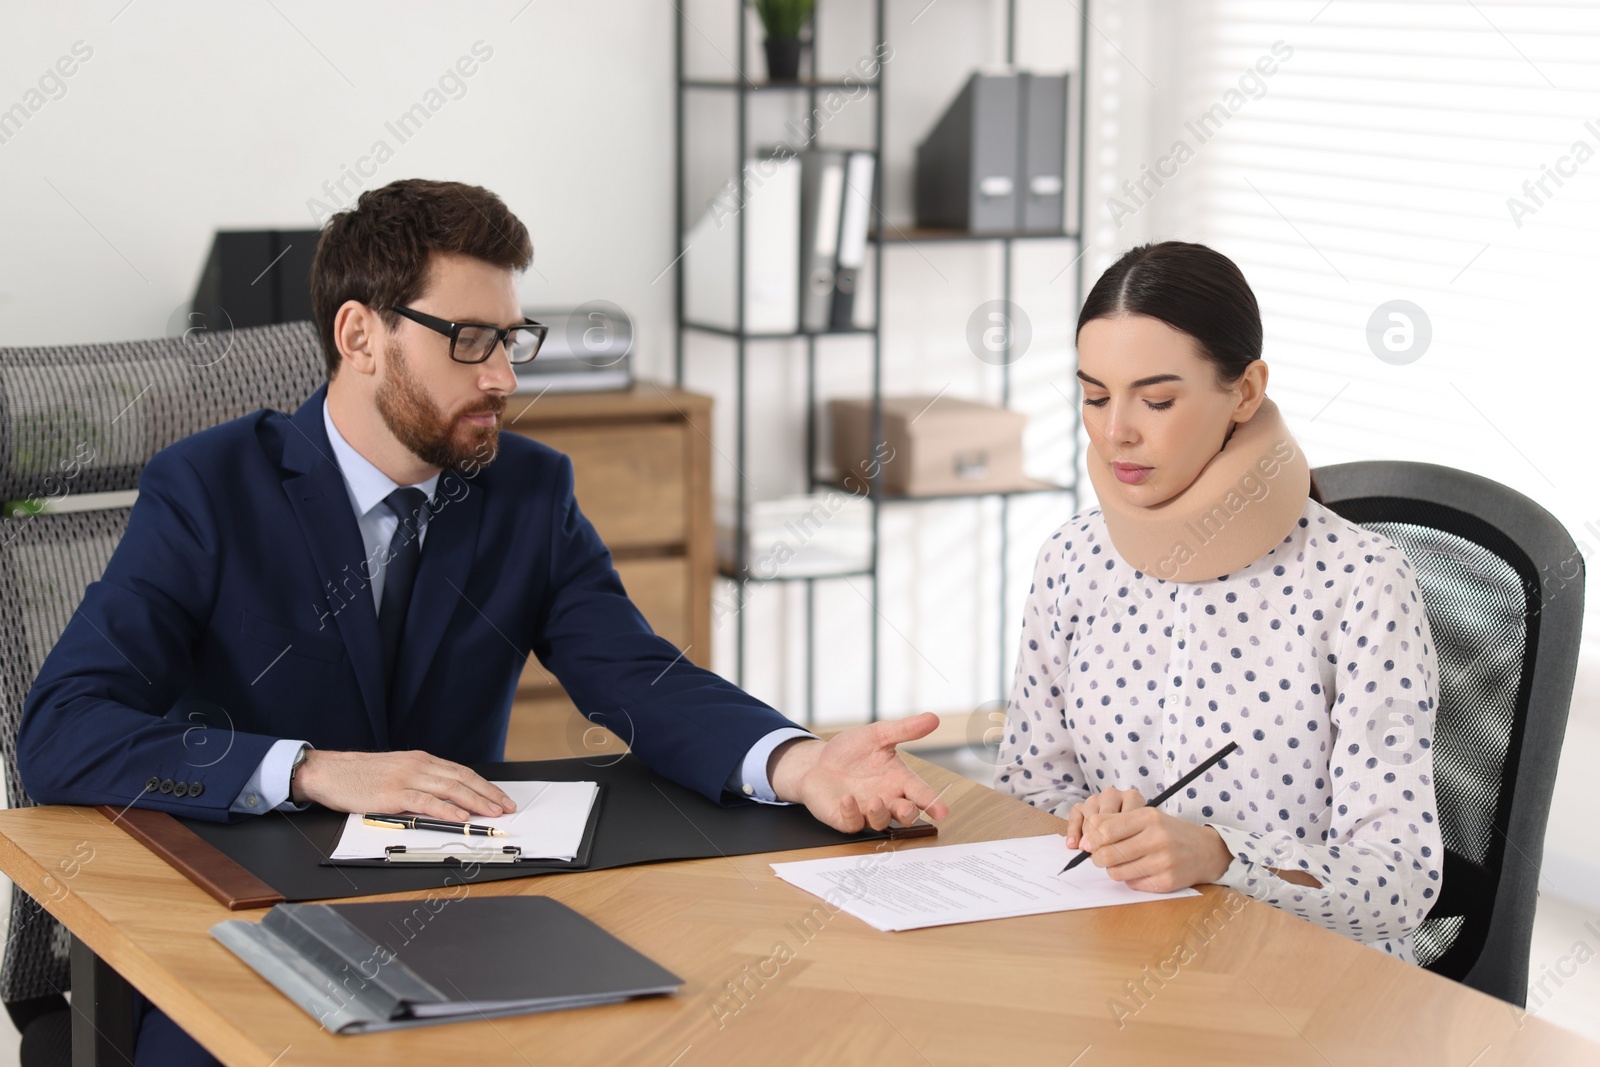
(191, 116)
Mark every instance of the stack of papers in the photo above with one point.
(547, 825)
(912, 888)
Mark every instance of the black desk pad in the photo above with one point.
(644, 819)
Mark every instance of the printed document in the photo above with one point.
(912, 888)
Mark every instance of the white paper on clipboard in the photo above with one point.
(548, 824)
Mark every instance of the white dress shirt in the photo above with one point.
(268, 788)
(1317, 659)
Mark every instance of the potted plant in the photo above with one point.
(783, 20)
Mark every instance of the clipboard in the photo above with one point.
(500, 856)
(503, 854)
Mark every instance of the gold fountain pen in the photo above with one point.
(422, 822)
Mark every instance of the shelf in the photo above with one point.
(912, 234)
(774, 87)
(738, 88)
(727, 570)
(898, 498)
(722, 331)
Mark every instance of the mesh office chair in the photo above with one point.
(1503, 585)
(77, 425)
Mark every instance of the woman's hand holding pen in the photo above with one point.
(1144, 846)
(396, 781)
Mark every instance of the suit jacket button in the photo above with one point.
(166, 785)
(180, 789)
(195, 787)
(152, 783)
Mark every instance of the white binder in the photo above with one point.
(855, 221)
(822, 185)
(768, 199)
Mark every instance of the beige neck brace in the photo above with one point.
(1244, 502)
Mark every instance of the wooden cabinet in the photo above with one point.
(641, 462)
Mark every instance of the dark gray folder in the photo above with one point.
(255, 278)
(1044, 153)
(356, 968)
(967, 168)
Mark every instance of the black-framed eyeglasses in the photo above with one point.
(474, 342)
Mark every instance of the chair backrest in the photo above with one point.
(1503, 584)
(77, 425)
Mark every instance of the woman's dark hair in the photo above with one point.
(1194, 289)
(377, 253)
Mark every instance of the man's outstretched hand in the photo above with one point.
(857, 779)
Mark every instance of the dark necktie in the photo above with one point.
(400, 572)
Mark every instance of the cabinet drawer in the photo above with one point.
(659, 588)
(631, 479)
(552, 729)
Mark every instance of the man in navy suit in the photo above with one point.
(237, 656)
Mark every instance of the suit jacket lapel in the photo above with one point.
(317, 493)
(441, 584)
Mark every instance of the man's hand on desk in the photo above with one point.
(857, 778)
(396, 781)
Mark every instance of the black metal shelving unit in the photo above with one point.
(891, 236)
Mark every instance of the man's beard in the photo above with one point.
(416, 421)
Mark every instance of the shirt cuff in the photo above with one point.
(268, 788)
(750, 779)
(1254, 860)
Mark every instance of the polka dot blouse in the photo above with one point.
(1317, 659)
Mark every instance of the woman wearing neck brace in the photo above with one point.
(1209, 598)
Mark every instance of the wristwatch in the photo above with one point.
(299, 758)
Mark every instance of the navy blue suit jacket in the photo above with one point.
(236, 611)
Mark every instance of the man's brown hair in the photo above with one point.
(377, 252)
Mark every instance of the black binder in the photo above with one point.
(357, 968)
(255, 278)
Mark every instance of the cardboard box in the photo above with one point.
(935, 447)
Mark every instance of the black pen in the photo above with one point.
(422, 822)
(1166, 794)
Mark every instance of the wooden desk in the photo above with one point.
(774, 978)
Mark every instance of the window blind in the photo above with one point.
(1412, 190)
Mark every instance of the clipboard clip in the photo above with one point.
(503, 854)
